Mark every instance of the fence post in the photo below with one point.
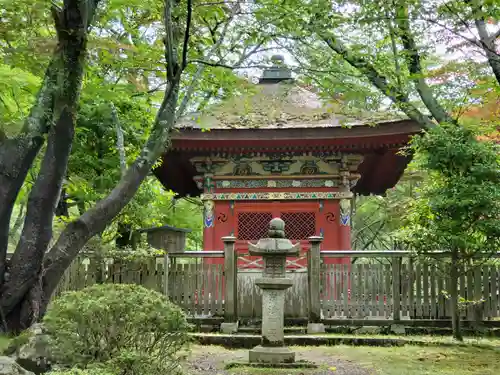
(396, 288)
(166, 265)
(313, 280)
(230, 324)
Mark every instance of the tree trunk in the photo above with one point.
(42, 202)
(33, 304)
(94, 221)
(22, 294)
(415, 68)
(17, 154)
(453, 290)
(488, 44)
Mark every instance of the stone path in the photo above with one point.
(210, 360)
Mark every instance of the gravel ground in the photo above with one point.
(211, 360)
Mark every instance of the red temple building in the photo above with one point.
(282, 152)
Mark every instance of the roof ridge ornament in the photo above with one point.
(278, 72)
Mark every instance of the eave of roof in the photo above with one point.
(383, 129)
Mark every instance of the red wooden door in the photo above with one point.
(251, 222)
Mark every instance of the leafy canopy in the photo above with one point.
(459, 207)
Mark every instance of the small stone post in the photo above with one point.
(273, 283)
(230, 324)
(314, 324)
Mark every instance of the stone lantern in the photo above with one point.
(273, 283)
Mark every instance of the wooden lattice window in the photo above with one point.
(299, 225)
(253, 226)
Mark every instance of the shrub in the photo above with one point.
(117, 325)
(76, 371)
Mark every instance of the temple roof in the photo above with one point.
(281, 105)
(279, 117)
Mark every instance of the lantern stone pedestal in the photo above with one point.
(273, 283)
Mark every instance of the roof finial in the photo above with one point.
(278, 60)
(277, 72)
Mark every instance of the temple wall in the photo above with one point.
(308, 191)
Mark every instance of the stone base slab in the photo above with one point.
(229, 328)
(398, 329)
(279, 283)
(292, 365)
(276, 355)
(313, 328)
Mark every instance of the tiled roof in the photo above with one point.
(280, 105)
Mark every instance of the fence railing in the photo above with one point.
(405, 287)
(394, 285)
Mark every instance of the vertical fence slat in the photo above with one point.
(220, 292)
(494, 292)
(388, 291)
(199, 286)
(441, 298)
(380, 290)
(433, 310)
(411, 290)
(368, 298)
(497, 290)
(359, 291)
(470, 293)
(336, 294)
(425, 305)
(486, 291)
(418, 300)
(404, 289)
(478, 290)
(462, 293)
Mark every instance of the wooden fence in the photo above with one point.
(362, 291)
(391, 286)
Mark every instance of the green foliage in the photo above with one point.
(17, 88)
(377, 219)
(458, 208)
(118, 326)
(90, 371)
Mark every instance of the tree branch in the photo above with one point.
(170, 56)
(120, 144)
(415, 68)
(488, 45)
(399, 98)
(190, 90)
(495, 36)
(226, 66)
(186, 34)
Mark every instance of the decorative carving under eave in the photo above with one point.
(278, 196)
(209, 184)
(339, 170)
(277, 166)
(275, 183)
(242, 169)
(309, 167)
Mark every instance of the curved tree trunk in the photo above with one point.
(26, 297)
(58, 97)
(17, 155)
(489, 47)
(95, 220)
